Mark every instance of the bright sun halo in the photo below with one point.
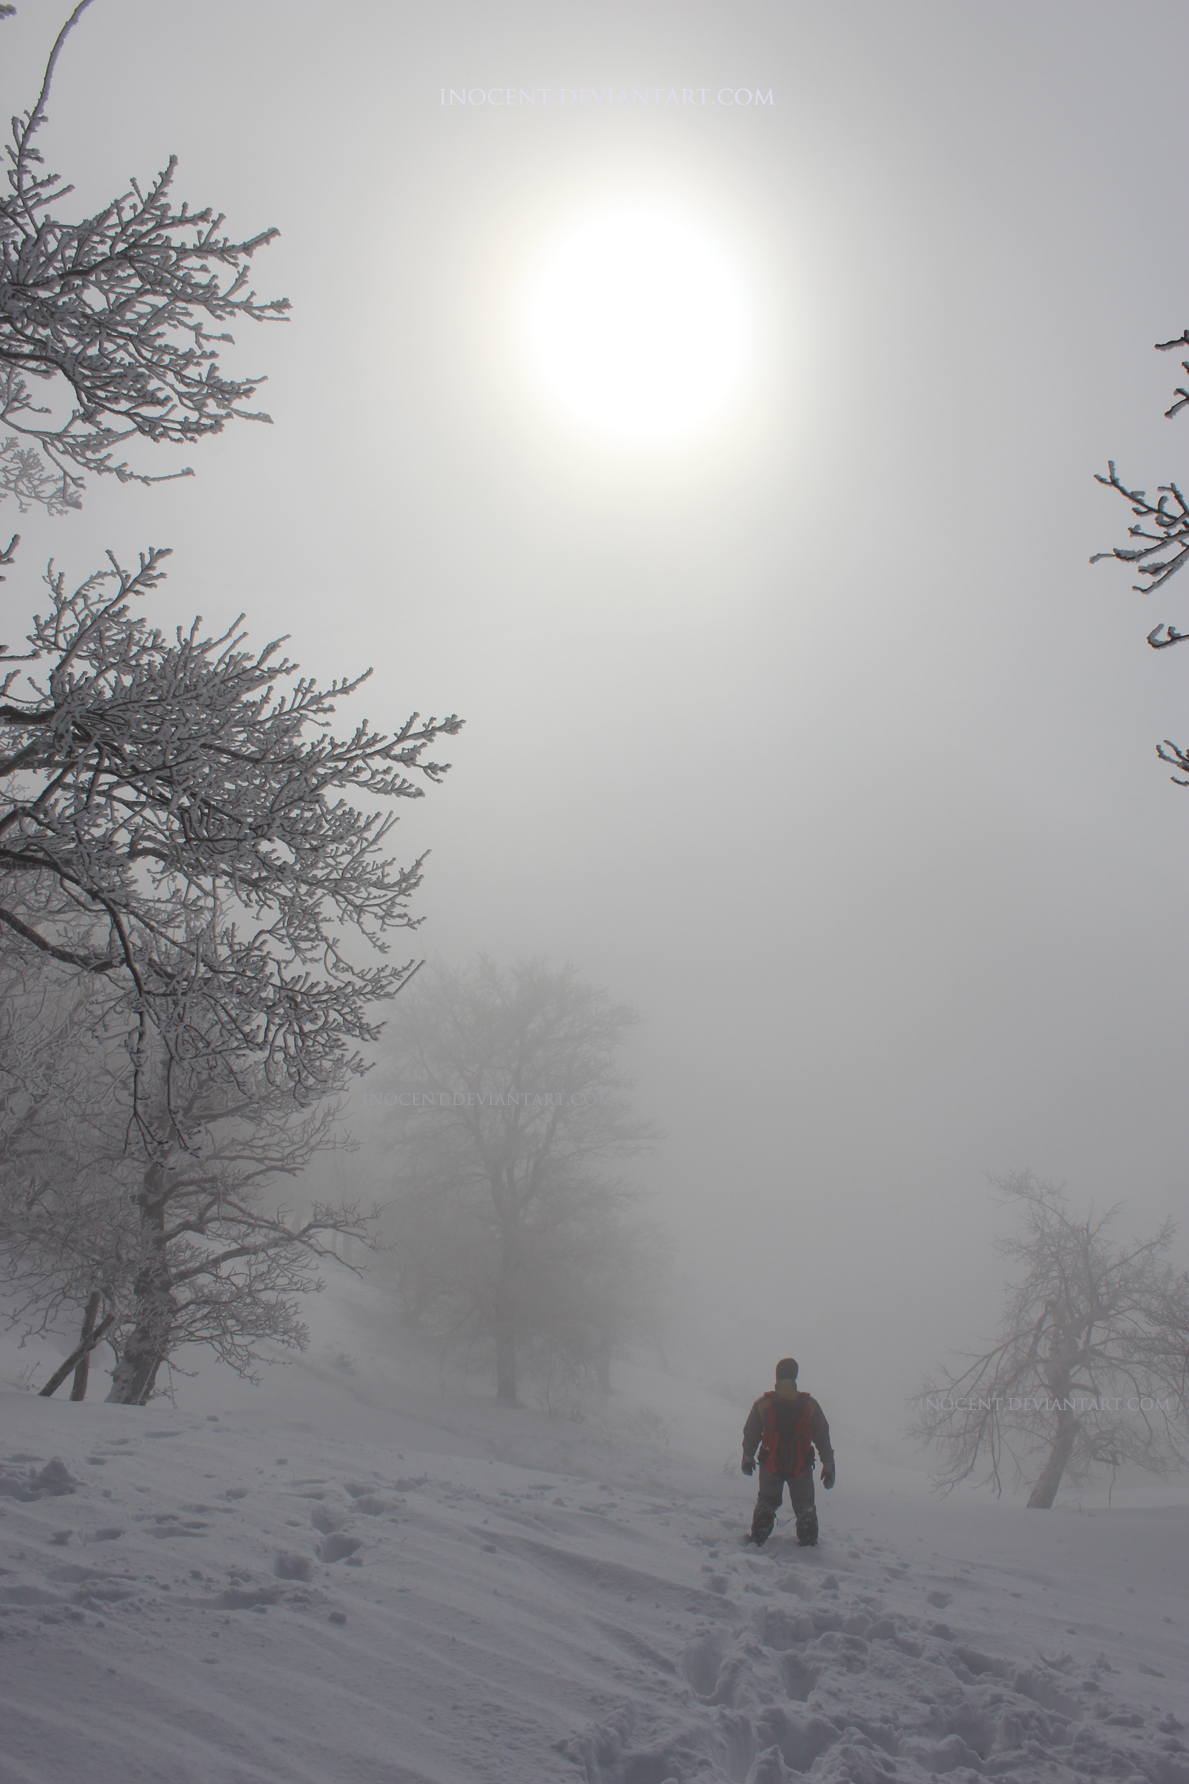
(639, 325)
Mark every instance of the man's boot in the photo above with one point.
(807, 1527)
(762, 1524)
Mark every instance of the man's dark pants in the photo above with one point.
(800, 1498)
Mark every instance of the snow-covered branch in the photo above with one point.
(124, 312)
(176, 789)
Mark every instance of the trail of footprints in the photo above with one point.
(287, 1558)
(817, 1681)
(52, 1587)
(780, 1667)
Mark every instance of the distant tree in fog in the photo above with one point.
(175, 825)
(119, 317)
(512, 1227)
(1091, 1365)
(1160, 536)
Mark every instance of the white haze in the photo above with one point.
(817, 737)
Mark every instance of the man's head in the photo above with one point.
(786, 1369)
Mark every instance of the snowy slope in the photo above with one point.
(350, 1576)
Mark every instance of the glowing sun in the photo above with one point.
(639, 324)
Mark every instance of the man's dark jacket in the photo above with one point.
(753, 1430)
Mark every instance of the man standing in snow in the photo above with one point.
(786, 1424)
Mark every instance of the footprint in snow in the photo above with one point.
(293, 1567)
(326, 1520)
(168, 1523)
(338, 1548)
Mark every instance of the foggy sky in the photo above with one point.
(817, 737)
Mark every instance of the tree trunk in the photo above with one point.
(79, 1389)
(505, 1364)
(1045, 1490)
(148, 1345)
(603, 1361)
(505, 1322)
(76, 1358)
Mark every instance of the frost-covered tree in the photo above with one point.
(114, 321)
(194, 1248)
(176, 824)
(66, 1220)
(220, 1257)
(507, 1119)
(190, 811)
(178, 846)
(1089, 1368)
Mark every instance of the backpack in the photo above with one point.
(787, 1443)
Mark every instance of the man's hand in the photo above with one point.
(748, 1464)
(827, 1475)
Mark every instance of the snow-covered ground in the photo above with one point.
(353, 1576)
